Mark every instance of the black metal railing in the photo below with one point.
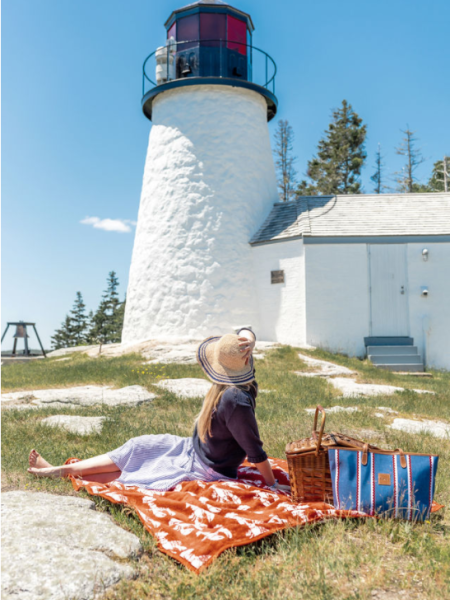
(209, 58)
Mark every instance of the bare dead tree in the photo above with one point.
(406, 177)
(446, 172)
(284, 160)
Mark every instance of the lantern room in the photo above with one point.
(212, 39)
(209, 42)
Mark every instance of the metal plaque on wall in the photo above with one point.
(277, 276)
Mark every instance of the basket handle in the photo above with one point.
(322, 426)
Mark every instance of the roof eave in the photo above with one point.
(275, 240)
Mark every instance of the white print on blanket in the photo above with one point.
(266, 498)
(295, 510)
(179, 487)
(213, 509)
(183, 528)
(117, 497)
(200, 514)
(254, 529)
(156, 510)
(276, 519)
(219, 533)
(155, 524)
(173, 545)
(225, 496)
(196, 561)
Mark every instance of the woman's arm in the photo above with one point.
(266, 471)
(247, 341)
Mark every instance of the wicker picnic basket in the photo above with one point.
(308, 465)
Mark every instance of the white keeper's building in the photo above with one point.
(358, 271)
(214, 249)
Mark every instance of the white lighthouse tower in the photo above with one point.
(209, 179)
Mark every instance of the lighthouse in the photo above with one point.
(209, 177)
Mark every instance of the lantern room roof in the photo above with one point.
(205, 2)
(213, 4)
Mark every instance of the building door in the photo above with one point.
(388, 290)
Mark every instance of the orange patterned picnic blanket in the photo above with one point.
(196, 521)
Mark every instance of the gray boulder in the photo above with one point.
(83, 395)
(59, 547)
(75, 424)
(187, 387)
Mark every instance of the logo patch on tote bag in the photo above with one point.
(384, 479)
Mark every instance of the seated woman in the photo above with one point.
(225, 431)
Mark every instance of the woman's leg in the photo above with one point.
(91, 466)
(103, 477)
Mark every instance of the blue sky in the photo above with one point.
(74, 138)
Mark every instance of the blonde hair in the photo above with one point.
(210, 402)
(204, 418)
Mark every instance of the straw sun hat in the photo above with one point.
(222, 360)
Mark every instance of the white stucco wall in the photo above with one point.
(337, 297)
(209, 183)
(338, 302)
(281, 305)
(430, 316)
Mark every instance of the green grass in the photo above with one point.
(338, 560)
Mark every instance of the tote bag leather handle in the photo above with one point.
(365, 452)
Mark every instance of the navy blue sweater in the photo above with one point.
(234, 433)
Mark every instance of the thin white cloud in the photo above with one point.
(120, 225)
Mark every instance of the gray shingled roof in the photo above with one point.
(357, 215)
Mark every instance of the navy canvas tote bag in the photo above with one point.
(381, 482)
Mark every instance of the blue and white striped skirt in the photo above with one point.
(160, 462)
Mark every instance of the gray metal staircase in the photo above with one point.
(394, 353)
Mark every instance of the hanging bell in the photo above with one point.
(21, 332)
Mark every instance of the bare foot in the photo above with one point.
(51, 472)
(36, 460)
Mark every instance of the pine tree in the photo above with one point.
(79, 321)
(340, 156)
(440, 176)
(90, 337)
(377, 177)
(99, 322)
(64, 337)
(112, 298)
(104, 322)
(406, 179)
(119, 319)
(306, 189)
(284, 160)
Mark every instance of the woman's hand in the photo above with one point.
(284, 488)
(246, 344)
